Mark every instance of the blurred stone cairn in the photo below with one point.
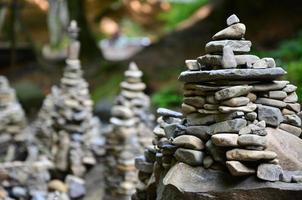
(240, 131)
(131, 131)
(12, 124)
(67, 132)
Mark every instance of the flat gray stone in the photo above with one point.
(199, 131)
(169, 113)
(236, 101)
(235, 31)
(231, 92)
(252, 140)
(201, 184)
(233, 19)
(236, 168)
(199, 119)
(296, 107)
(225, 140)
(229, 126)
(271, 115)
(271, 102)
(197, 102)
(279, 95)
(190, 157)
(217, 153)
(266, 87)
(187, 109)
(188, 142)
(269, 172)
(142, 165)
(232, 74)
(248, 108)
(250, 155)
(203, 87)
(238, 46)
(291, 129)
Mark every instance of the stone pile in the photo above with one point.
(12, 124)
(132, 122)
(66, 125)
(236, 114)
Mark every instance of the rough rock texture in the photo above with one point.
(200, 184)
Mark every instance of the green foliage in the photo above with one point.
(167, 97)
(179, 12)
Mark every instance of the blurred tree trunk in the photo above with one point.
(89, 48)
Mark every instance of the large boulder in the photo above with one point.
(197, 183)
(288, 148)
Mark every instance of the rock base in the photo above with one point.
(201, 184)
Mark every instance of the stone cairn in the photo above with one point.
(12, 124)
(231, 100)
(66, 125)
(132, 122)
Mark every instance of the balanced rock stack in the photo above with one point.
(230, 97)
(133, 97)
(160, 155)
(66, 124)
(12, 123)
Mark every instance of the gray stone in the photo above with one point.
(201, 184)
(248, 108)
(236, 168)
(228, 58)
(19, 192)
(251, 116)
(252, 140)
(159, 132)
(76, 186)
(225, 140)
(279, 95)
(294, 106)
(291, 98)
(291, 129)
(231, 92)
(210, 60)
(238, 46)
(232, 74)
(188, 156)
(236, 101)
(204, 111)
(250, 155)
(199, 131)
(229, 126)
(292, 120)
(270, 62)
(169, 113)
(199, 119)
(286, 111)
(290, 88)
(269, 172)
(266, 87)
(271, 102)
(272, 116)
(189, 142)
(197, 102)
(252, 97)
(297, 178)
(142, 165)
(203, 87)
(260, 64)
(211, 99)
(235, 31)
(187, 109)
(233, 19)
(192, 65)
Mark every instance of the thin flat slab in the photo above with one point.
(232, 75)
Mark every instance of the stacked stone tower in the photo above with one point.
(240, 119)
(12, 123)
(132, 122)
(66, 125)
